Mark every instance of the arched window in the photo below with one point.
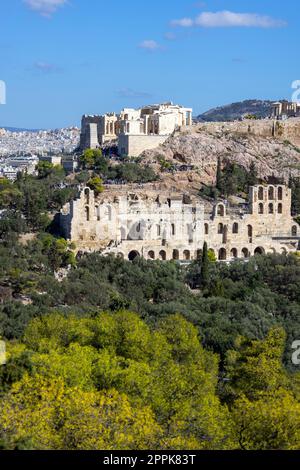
(245, 252)
(176, 254)
(280, 208)
(234, 253)
(260, 208)
(151, 255)
(158, 230)
(250, 233)
(222, 254)
(294, 231)
(133, 255)
(87, 214)
(235, 228)
(162, 255)
(261, 193)
(187, 255)
(271, 193)
(271, 208)
(138, 228)
(198, 254)
(173, 230)
(259, 251)
(280, 193)
(221, 210)
(220, 228)
(87, 196)
(206, 229)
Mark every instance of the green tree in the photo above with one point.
(96, 184)
(205, 266)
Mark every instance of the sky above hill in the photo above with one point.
(64, 58)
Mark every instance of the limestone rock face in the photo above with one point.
(272, 146)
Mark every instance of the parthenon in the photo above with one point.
(135, 129)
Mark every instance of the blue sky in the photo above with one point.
(63, 58)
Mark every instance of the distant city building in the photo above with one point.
(8, 172)
(54, 159)
(136, 129)
(285, 109)
(69, 163)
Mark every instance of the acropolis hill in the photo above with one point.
(168, 219)
(273, 146)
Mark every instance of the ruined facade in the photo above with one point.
(175, 227)
(285, 109)
(136, 129)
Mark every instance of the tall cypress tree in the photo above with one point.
(205, 266)
(219, 178)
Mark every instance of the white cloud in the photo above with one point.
(46, 67)
(45, 7)
(150, 45)
(184, 22)
(228, 19)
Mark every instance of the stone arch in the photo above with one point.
(206, 229)
(235, 228)
(259, 251)
(220, 228)
(162, 255)
(271, 193)
(271, 208)
(175, 255)
(234, 253)
(187, 255)
(280, 193)
(246, 252)
(260, 193)
(260, 208)
(294, 230)
(133, 255)
(199, 254)
(284, 251)
(272, 251)
(222, 254)
(280, 208)
(120, 255)
(221, 210)
(151, 254)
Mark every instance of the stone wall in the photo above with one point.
(283, 130)
(175, 227)
(134, 145)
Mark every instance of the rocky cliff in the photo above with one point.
(272, 146)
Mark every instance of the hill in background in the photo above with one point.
(234, 111)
